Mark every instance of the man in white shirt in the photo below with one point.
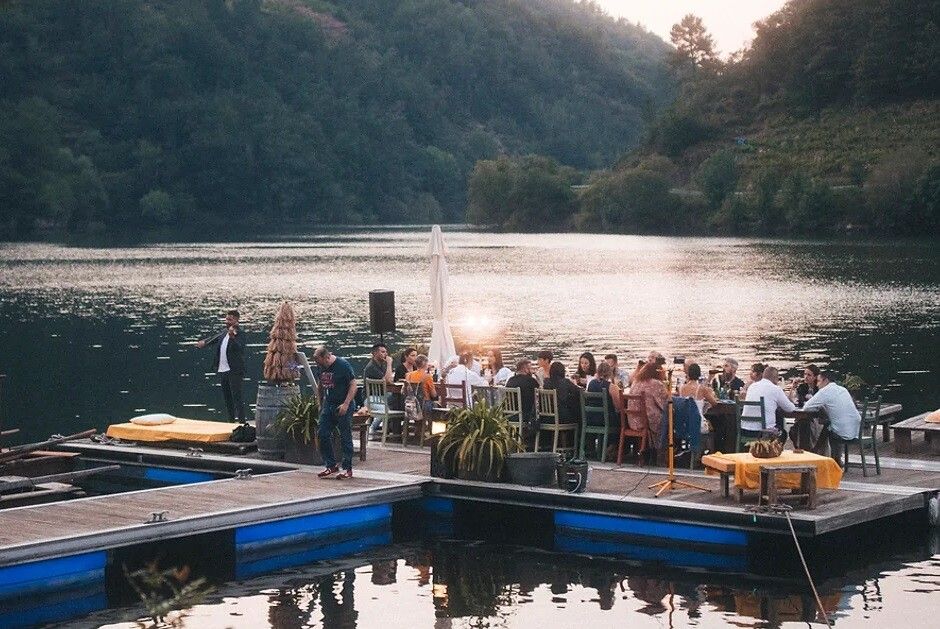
(842, 417)
(229, 362)
(463, 372)
(774, 398)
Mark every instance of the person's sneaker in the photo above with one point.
(328, 471)
(344, 474)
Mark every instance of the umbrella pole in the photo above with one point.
(671, 481)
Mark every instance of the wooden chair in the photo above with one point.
(376, 399)
(635, 407)
(870, 412)
(741, 440)
(492, 395)
(453, 395)
(512, 409)
(594, 404)
(547, 405)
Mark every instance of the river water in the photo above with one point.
(92, 336)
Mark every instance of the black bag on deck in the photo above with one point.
(244, 433)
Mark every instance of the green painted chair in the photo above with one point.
(376, 399)
(594, 404)
(742, 440)
(547, 405)
(871, 413)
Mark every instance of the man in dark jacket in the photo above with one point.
(229, 362)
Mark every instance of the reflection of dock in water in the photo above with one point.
(283, 516)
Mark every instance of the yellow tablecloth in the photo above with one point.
(194, 430)
(747, 468)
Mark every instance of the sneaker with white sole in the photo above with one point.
(329, 471)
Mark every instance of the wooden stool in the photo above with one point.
(771, 493)
(360, 424)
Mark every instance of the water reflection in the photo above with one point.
(99, 332)
(455, 584)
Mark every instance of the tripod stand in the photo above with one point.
(671, 482)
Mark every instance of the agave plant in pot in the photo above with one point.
(298, 421)
(476, 443)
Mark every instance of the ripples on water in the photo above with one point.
(106, 331)
(455, 585)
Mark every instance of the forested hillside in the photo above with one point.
(195, 114)
(829, 121)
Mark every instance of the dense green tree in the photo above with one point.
(130, 113)
(530, 194)
(631, 200)
(717, 177)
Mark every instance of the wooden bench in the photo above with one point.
(887, 414)
(725, 470)
(770, 492)
(904, 430)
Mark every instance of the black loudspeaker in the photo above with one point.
(382, 311)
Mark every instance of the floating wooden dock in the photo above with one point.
(287, 516)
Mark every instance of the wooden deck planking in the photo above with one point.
(188, 504)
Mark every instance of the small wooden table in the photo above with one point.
(746, 469)
(903, 432)
(770, 487)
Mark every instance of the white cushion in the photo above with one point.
(153, 419)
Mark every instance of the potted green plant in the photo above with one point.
(298, 421)
(476, 443)
(855, 385)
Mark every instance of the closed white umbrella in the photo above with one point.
(442, 342)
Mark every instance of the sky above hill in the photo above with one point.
(729, 21)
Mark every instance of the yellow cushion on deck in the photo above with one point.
(194, 430)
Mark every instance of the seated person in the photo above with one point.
(774, 398)
(620, 377)
(379, 366)
(728, 378)
(587, 367)
(694, 388)
(567, 393)
(527, 384)
(647, 382)
(654, 357)
(499, 373)
(420, 375)
(601, 383)
(756, 375)
(842, 417)
(463, 373)
(806, 387)
(544, 362)
(406, 364)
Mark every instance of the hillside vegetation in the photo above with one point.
(829, 121)
(195, 115)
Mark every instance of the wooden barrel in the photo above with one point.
(271, 399)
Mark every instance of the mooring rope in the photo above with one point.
(785, 510)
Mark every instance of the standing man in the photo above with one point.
(229, 363)
(338, 388)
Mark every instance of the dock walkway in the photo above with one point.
(87, 524)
